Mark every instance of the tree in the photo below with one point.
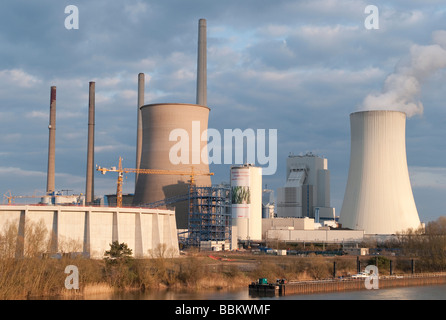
(119, 252)
(120, 265)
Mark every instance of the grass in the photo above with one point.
(30, 278)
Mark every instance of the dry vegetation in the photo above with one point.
(35, 277)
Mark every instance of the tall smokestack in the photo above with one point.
(89, 189)
(50, 183)
(202, 64)
(139, 123)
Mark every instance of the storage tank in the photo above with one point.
(246, 193)
(378, 197)
(172, 132)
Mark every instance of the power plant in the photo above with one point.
(378, 197)
(175, 201)
(307, 189)
(160, 122)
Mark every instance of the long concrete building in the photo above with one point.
(90, 230)
(306, 230)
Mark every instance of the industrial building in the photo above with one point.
(268, 204)
(307, 189)
(306, 230)
(378, 197)
(89, 230)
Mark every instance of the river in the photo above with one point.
(433, 292)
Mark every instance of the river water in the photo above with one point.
(434, 292)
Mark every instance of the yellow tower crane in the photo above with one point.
(10, 198)
(121, 172)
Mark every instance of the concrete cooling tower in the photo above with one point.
(159, 150)
(378, 198)
(174, 138)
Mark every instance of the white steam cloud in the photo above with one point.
(401, 89)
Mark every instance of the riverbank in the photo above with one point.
(345, 284)
(30, 278)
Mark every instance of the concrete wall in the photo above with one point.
(91, 230)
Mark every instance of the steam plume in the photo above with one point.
(401, 90)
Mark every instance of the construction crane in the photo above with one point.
(11, 198)
(121, 172)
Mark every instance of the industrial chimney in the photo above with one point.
(202, 64)
(50, 183)
(89, 189)
(378, 198)
(140, 103)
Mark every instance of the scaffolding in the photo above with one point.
(209, 215)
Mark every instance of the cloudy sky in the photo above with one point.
(300, 67)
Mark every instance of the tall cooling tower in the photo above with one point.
(160, 150)
(159, 147)
(378, 198)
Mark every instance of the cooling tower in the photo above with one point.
(378, 198)
(172, 131)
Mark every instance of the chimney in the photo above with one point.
(89, 189)
(201, 64)
(50, 184)
(139, 123)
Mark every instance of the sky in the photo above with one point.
(300, 67)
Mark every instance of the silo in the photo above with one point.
(246, 193)
(174, 138)
(378, 197)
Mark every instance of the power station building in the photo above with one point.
(307, 189)
(378, 197)
(89, 231)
